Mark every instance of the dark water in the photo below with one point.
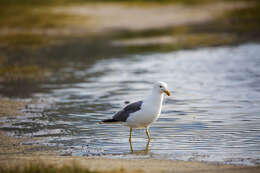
(213, 114)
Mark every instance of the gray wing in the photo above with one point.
(125, 113)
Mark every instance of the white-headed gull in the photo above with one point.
(143, 113)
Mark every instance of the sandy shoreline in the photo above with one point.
(12, 146)
(125, 165)
(13, 152)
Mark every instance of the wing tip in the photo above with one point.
(108, 121)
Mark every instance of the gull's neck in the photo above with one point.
(156, 97)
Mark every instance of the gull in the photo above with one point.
(142, 114)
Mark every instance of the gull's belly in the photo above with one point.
(142, 119)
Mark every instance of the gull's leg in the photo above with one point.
(131, 147)
(147, 147)
(147, 134)
(130, 140)
(130, 136)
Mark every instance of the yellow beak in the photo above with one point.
(167, 92)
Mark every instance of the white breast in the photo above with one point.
(148, 113)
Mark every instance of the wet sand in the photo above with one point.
(10, 107)
(11, 146)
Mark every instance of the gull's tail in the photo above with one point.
(107, 121)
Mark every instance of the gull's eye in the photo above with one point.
(160, 86)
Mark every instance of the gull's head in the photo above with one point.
(162, 88)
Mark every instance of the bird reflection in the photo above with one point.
(145, 151)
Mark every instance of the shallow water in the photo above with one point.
(213, 114)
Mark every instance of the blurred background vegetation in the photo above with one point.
(36, 40)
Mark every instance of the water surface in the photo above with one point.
(213, 114)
